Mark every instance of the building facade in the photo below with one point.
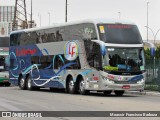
(6, 19)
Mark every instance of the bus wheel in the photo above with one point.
(82, 90)
(22, 83)
(107, 92)
(7, 84)
(29, 83)
(119, 92)
(71, 86)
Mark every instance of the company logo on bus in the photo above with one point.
(71, 51)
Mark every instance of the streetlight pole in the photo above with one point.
(119, 14)
(39, 15)
(49, 17)
(151, 31)
(66, 12)
(154, 35)
(31, 13)
(147, 20)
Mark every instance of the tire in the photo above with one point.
(7, 84)
(22, 83)
(107, 92)
(81, 87)
(29, 84)
(119, 92)
(71, 86)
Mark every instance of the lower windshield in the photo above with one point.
(123, 60)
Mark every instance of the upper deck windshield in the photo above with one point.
(124, 60)
(119, 33)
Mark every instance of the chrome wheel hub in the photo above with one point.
(81, 86)
(71, 85)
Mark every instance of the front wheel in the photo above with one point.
(82, 87)
(119, 92)
(108, 92)
(22, 83)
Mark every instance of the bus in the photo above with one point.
(103, 55)
(4, 61)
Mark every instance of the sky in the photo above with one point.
(133, 10)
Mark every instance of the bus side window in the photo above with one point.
(12, 65)
(89, 32)
(97, 58)
(58, 36)
(34, 39)
(88, 48)
(50, 37)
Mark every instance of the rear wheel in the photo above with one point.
(119, 92)
(71, 86)
(82, 87)
(107, 92)
(29, 84)
(22, 83)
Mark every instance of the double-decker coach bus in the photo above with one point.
(102, 55)
(4, 60)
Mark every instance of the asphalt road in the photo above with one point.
(14, 99)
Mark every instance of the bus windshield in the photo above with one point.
(123, 60)
(119, 34)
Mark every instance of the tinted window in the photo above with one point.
(84, 31)
(14, 39)
(74, 32)
(46, 62)
(93, 54)
(119, 34)
(89, 32)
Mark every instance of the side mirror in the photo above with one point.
(103, 50)
(102, 46)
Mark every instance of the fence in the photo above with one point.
(153, 74)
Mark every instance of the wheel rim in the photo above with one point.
(29, 83)
(71, 85)
(22, 82)
(81, 86)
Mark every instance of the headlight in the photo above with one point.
(141, 81)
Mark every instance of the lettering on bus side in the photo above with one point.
(24, 52)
